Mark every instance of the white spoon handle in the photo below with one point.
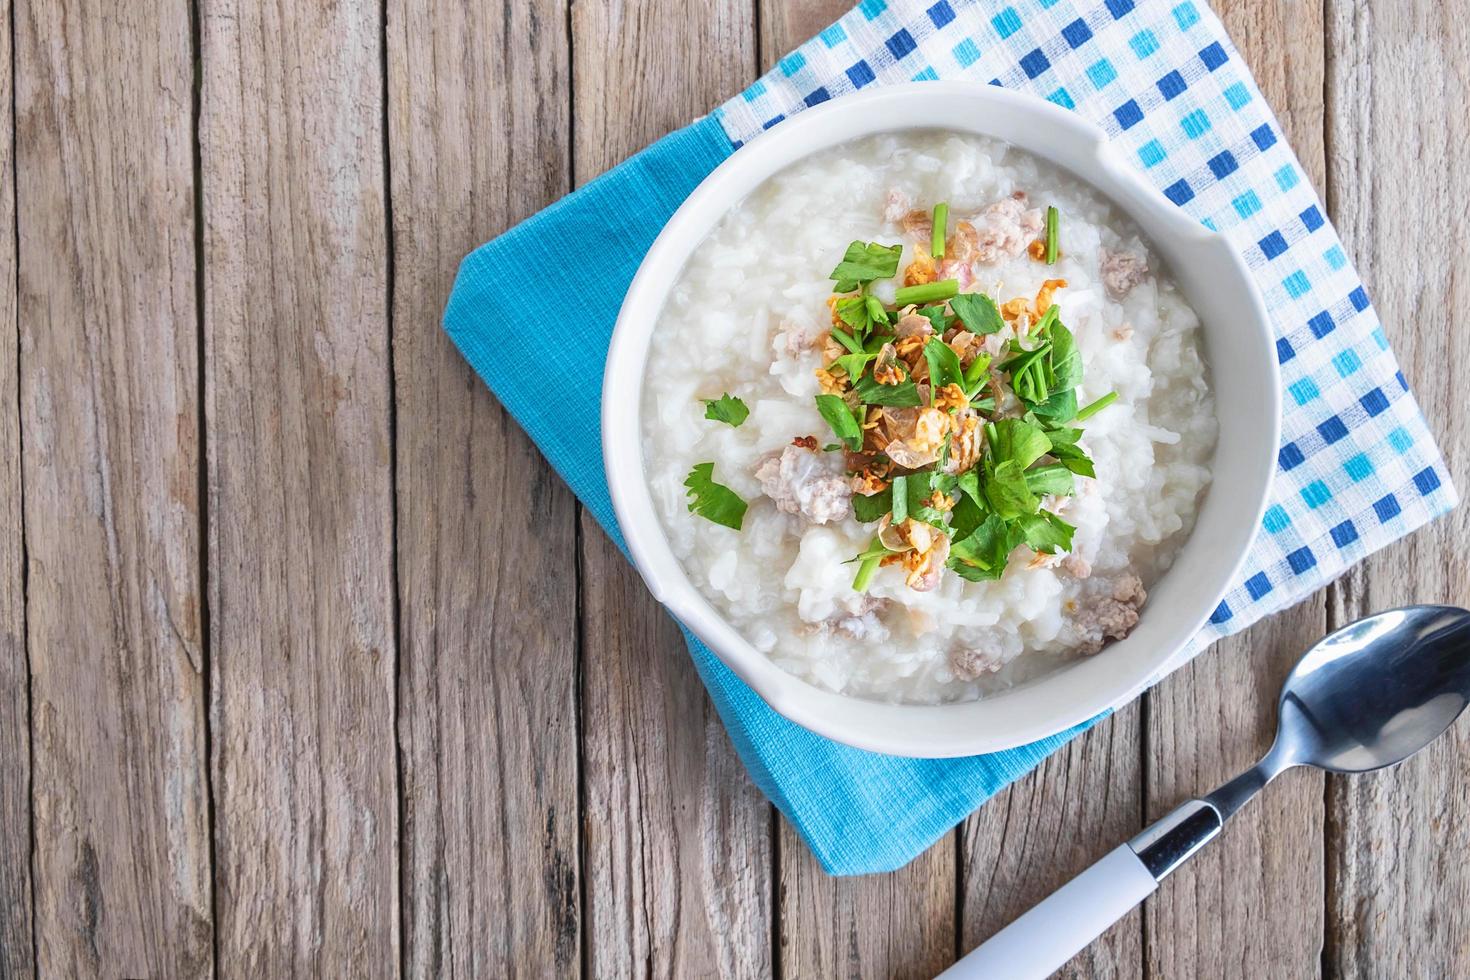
(1039, 942)
(1062, 925)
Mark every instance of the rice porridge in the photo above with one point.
(924, 417)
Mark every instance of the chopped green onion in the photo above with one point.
(1048, 318)
(976, 375)
(936, 237)
(900, 499)
(866, 569)
(977, 368)
(876, 312)
(847, 341)
(928, 292)
(1051, 235)
(1097, 406)
(845, 426)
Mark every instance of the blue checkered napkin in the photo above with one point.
(1357, 467)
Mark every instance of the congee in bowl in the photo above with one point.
(925, 417)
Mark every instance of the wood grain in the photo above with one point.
(1050, 826)
(677, 843)
(17, 951)
(488, 725)
(1263, 877)
(787, 24)
(891, 925)
(109, 412)
(677, 852)
(300, 509)
(1398, 901)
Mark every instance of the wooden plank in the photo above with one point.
(1262, 878)
(1048, 827)
(677, 841)
(891, 925)
(787, 24)
(110, 460)
(487, 726)
(17, 952)
(300, 508)
(896, 925)
(1398, 893)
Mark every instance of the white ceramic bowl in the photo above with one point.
(1238, 347)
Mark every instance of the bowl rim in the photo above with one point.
(800, 701)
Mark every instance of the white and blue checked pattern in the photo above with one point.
(1357, 466)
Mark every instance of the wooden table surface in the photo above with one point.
(310, 665)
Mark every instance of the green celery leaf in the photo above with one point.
(965, 517)
(1019, 441)
(919, 488)
(1074, 459)
(1054, 478)
(1063, 436)
(944, 364)
(864, 263)
(972, 573)
(868, 509)
(854, 364)
(936, 316)
(875, 310)
(978, 312)
(853, 311)
(711, 500)
(902, 395)
(1045, 532)
(841, 419)
(1059, 407)
(969, 484)
(930, 516)
(1066, 360)
(1006, 491)
(727, 408)
(982, 554)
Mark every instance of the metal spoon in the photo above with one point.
(1367, 696)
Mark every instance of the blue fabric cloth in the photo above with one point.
(1358, 467)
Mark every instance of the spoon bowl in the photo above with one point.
(1377, 691)
(1369, 695)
